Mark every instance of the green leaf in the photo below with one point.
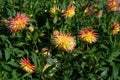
(91, 76)
(115, 54)
(103, 46)
(7, 53)
(34, 58)
(115, 72)
(27, 75)
(13, 63)
(14, 74)
(9, 12)
(18, 52)
(5, 40)
(104, 73)
(0, 54)
(50, 60)
(92, 50)
(35, 36)
(83, 64)
(47, 24)
(55, 19)
(19, 44)
(6, 67)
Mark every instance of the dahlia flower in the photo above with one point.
(96, 11)
(63, 41)
(116, 28)
(100, 13)
(53, 11)
(87, 10)
(18, 23)
(88, 35)
(112, 5)
(45, 51)
(47, 65)
(31, 28)
(93, 10)
(69, 12)
(26, 65)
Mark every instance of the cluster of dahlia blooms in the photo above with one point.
(116, 28)
(18, 23)
(93, 10)
(26, 65)
(112, 5)
(69, 12)
(60, 40)
(63, 41)
(88, 35)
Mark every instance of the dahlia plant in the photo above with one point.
(59, 39)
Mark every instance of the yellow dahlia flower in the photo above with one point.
(116, 28)
(100, 13)
(31, 28)
(26, 65)
(18, 23)
(88, 35)
(112, 5)
(45, 51)
(53, 11)
(63, 41)
(47, 65)
(69, 12)
(87, 10)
